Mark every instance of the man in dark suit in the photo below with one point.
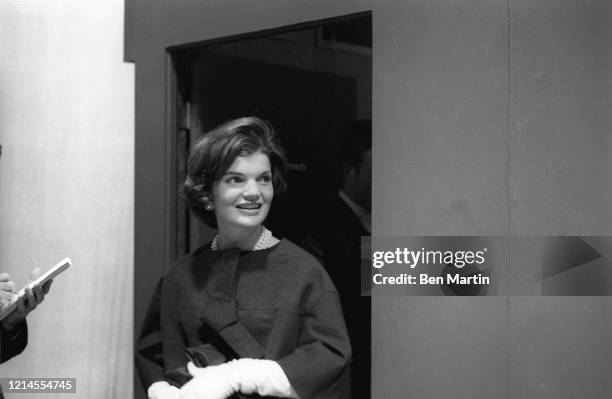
(337, 243)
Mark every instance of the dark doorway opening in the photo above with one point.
(310, 81)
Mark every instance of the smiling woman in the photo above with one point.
(242, 198)
(247, 313)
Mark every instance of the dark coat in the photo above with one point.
(277, 303)
(12, 344)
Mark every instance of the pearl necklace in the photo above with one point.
(264, 241)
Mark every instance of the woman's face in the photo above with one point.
(243, 195)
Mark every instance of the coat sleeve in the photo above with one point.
(161, 354)
(13, 343)
(319, 367)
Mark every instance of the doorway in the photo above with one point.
(309, 81)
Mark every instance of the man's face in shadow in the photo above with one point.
(358, 182)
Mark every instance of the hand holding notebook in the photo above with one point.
(30, 296)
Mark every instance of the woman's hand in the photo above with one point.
(163, 390)
(248, 376)
(212, 382)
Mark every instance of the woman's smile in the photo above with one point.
(248, 206)
(249, 209)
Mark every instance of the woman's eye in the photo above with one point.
(234, 180)
(265, 179)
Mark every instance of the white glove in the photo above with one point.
(248, 376)
(212, 382)
(163, 390)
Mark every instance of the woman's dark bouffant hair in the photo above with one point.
(212, 155)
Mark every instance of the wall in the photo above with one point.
(490, 118)
(440, 114)
(66, 187)
(560, 184)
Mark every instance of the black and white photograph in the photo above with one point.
(306, 199)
